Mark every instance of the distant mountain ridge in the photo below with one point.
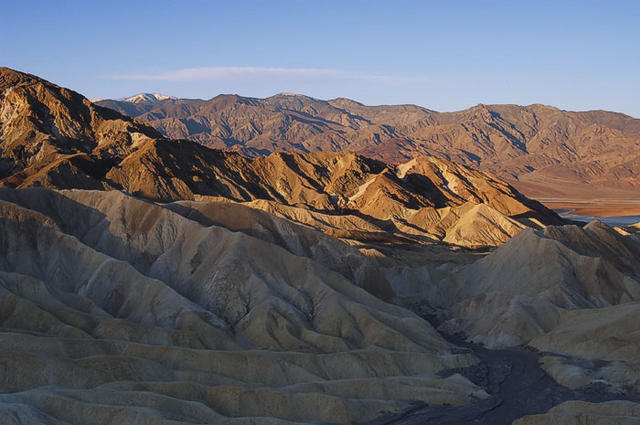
(541, 149)
(55, 138)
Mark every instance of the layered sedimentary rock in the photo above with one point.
(525, 287)
(125, 309)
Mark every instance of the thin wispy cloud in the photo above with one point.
(216, 73)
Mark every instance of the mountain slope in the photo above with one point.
(135, 311)
(55, 138)
(543, 150)
(523, 289)
(116, 308)
(52, 135)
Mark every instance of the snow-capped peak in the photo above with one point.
(147, 97)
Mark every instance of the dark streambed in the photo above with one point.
(518, 387)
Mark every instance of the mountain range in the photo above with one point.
(150, 280)
(542, 150)
(58, 139)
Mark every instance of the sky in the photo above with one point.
(443, 55)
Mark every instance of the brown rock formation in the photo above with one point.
(55, 138)
(545, 151)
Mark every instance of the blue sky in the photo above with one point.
(443, 55)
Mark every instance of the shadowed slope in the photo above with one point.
(140, 306)
(523, 288)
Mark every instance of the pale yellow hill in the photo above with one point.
(520, 290)
(581, 412)
(116, 308)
